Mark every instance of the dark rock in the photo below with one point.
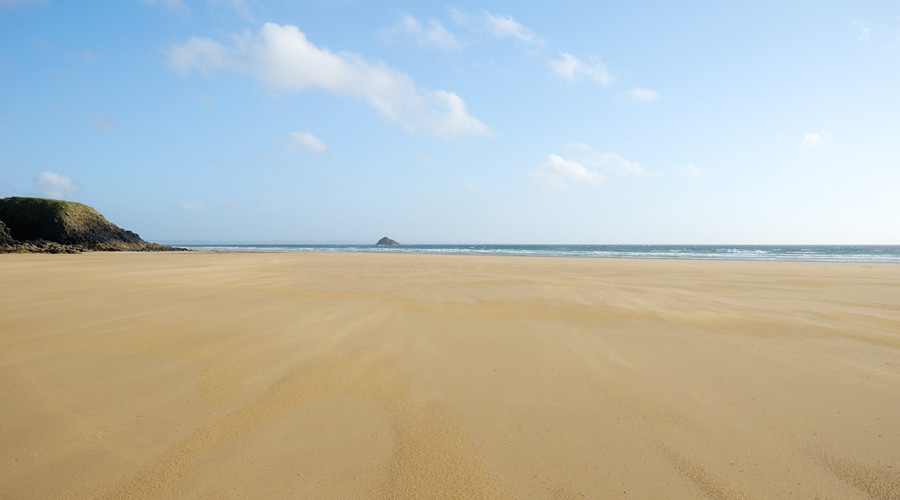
(5, 237)
(387, 242)
(54, 226)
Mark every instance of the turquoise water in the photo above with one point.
(790, 253)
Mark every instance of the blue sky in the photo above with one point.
(501, 122)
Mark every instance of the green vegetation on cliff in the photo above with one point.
(38, 224)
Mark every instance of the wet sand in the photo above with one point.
(286, 375)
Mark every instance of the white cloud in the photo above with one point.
(812, 139)
(435, 35)
(192, 206)
(284, 58)
(304, 141)
(556, 171)
(643, 95)
(56, 185)
(498, 25)
(610, 162)
(571, 68)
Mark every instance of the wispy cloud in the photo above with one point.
(57, 186)
(88, 56)
(556, 171)
(192, 206)
(812, 139)
(583, 164)
(304, 141)
(103, 122)
(611, 162)
(174, 5)
(643, 95)
(497, 25)
(571, 68)
(271, 158)
(864, 34)
(864, 31)
(691, 171)
(435, 35)
(283, 57)
(425, 159)
(241, 7)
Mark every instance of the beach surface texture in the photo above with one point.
(390, 376)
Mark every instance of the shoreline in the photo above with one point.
(401, 376)
(582, 252)
(210, 251)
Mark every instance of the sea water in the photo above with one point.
(789, 253)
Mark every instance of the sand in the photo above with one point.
(286, 375)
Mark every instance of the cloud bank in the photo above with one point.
(282, 57)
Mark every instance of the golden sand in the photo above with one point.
(311, 375)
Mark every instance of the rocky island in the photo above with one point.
(55, 226)
(387, 242)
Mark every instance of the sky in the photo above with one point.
(569, 122)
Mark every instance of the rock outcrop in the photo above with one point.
(42, 225)
(387, 242)
(5, 237)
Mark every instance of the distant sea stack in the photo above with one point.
(54, 226)
(387, 242)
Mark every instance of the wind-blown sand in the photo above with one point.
(204, 375)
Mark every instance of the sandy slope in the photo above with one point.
(414, 377)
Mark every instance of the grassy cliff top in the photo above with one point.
(51, 220)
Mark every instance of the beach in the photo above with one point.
(403, 376)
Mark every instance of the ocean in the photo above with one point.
(789, 253)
